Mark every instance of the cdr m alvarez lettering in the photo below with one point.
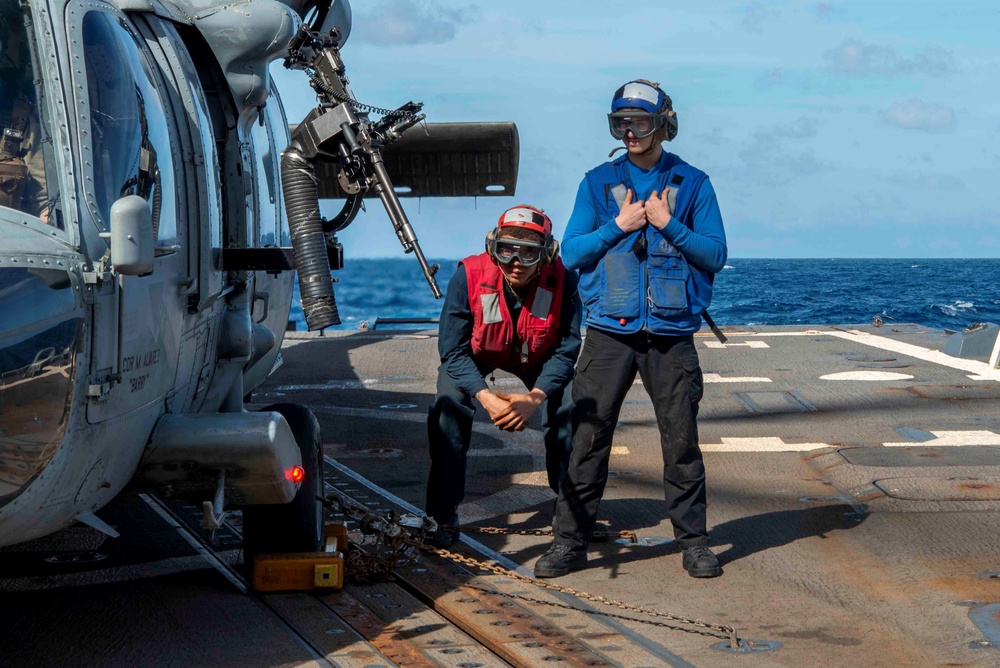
(133, 364)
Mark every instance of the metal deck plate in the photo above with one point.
(968, 455)
(938, 489)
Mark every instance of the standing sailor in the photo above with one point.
(647, 237)
(514, 307)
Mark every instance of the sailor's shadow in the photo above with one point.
(757, 533)
(745, 536)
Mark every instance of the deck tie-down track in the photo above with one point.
(513, 614)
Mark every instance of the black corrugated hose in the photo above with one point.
(298, 181)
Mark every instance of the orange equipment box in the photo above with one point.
(302, 571)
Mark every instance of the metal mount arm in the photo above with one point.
(339, 130)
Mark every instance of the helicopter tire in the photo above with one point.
(296, 526)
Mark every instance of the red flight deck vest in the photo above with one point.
(495, 343)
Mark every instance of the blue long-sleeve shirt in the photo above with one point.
(588, 238)
(455, 338)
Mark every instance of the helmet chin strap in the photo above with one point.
(652, 147)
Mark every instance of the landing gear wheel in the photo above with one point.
(296, 526)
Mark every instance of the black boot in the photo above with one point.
(445, 537)
(699, 562)
(559, 560)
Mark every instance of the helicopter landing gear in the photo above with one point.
(296, 526)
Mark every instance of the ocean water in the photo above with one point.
(947, 294)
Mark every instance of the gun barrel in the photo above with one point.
(404, 231)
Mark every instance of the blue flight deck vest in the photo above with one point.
(644, 281)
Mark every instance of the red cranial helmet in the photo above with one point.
(527, 217)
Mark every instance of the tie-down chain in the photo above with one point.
(392, 542)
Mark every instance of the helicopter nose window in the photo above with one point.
(39, 332)
(129, 139)
(25, 141)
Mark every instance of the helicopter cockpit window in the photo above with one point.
(129, 136)
(26, 160)
(38, 339)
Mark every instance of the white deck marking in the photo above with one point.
(981, 369)
(866, 375)
(953, 438)
(619, 450)
(745, 344)
(716, 378)
(759, 444)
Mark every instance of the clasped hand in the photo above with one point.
(510, 412)
(634, 215)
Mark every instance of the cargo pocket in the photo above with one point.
(668, 276)
(692, 368)
(620, 286)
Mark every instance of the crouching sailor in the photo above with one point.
(513, 307)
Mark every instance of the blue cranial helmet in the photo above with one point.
(642, 107)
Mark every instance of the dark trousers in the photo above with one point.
(668, 366)
(449, 432)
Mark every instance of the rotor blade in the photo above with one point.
(448, 160)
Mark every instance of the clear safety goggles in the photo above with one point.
(641, 125)
(525, 252)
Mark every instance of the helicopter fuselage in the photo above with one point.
(138, 103)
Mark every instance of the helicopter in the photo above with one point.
(155, 207)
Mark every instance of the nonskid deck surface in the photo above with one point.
(853, 475)
(854, 483)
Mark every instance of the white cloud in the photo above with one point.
(917, 115)
(856, 57)
(398, 22)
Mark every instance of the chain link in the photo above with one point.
(319, 85)
(393, 551)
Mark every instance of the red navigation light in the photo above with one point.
(298, 474)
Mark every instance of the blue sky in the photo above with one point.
(829, 129)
